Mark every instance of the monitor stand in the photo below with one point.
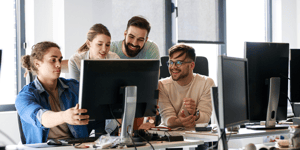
(130, 99)
(274, 90)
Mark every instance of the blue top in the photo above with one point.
(32, 102)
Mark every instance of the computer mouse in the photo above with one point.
(54, 142)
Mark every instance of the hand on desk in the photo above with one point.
(188, 121)
(71, 116)
(147, 126)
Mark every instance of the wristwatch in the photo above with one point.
(197, 113)
(150, 120)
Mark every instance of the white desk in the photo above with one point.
(156, 145)
(208, 136)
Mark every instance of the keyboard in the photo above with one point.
(78, 140)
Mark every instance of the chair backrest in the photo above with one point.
(8, 124)
(22, 136)
(201, 66)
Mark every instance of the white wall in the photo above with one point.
(286, 22)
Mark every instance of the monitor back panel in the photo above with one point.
(102, 82)
(266, 60)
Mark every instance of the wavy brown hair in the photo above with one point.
(38, 51)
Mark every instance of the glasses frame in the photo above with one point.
(177, 63)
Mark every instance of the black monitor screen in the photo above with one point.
(266, 60)
(101, 82)
(295, 75)
(234, 90)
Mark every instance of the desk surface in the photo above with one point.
(156, 145)
(208, 136)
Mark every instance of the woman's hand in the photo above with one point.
(71, 116)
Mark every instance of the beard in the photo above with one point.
(182, 76)
(132, 53)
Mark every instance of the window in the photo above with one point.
(8, 78)
(199, 21)
(244, 24)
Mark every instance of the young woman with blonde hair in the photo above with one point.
(97, 46)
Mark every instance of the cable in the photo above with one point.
(167, 136)
(115, 118)
(291, 105)
(230, 134)
(132, 140)
(8, 137)
(114, 115)
(147, 141)
(218, 141)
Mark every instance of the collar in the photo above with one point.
(61, 85)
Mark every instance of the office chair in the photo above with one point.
(201, 66)
(11, 107)
(23, 139)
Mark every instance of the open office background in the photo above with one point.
(67, 22)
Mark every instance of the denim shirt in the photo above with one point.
(32, 102)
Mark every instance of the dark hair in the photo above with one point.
(94, 30)
(184, 49)
(140, 22)
(38, 52)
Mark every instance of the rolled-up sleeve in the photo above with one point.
(204, 103)
(28, 109)
(166, 109)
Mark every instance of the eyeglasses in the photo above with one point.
(177, 63)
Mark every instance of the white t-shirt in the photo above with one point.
(75, 62)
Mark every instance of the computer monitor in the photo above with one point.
(294, 75)
(233, 91)
(230, 98)
(124, 88)
(268, 82)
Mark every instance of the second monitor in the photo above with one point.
(268, 82)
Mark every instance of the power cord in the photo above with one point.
(114, 118)
(131, 139)
(213, 146)
(291, 105)
(146, 141)
(167, 136)
(230, 134)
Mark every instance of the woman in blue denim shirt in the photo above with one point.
(48, 106)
